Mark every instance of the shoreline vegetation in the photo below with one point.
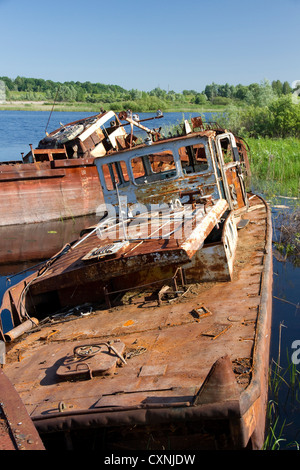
(39, 94)
(24, 105)
(256, 110)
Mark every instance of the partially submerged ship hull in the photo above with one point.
(42, 191)
(58, 179)
(17, 432)
(186, 372)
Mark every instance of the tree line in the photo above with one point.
(37, 89)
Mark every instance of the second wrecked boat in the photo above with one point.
(58, 179)
(174, 291)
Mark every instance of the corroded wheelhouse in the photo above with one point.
(202, 164)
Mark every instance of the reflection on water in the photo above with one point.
(286, 308)
(286, 285)
(34, 242)
(286, 311)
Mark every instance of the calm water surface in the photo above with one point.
(18, 129)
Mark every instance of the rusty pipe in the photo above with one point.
(20, 329)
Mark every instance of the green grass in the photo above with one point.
(284, 388)
(275, 166)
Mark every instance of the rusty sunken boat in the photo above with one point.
(58, 180)
(152, 330)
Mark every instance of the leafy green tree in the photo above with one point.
(277, 87)
(281, 118)
(211, 91)
(226, 91)
(240, 92)
(66, 93)
(200, 98)
(260, 95)
(158, 92)
(189, 92)
(8, 82)
(286, 89)
(135, 94)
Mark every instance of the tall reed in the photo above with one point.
(284, 388)
(275, 165)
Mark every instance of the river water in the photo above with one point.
(18, 129)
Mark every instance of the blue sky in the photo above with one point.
(175, 45)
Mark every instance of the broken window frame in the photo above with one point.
(117, 175)
(149, 173)
(193, 161)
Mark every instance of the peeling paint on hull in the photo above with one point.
(36, 192)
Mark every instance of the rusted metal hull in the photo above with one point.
(195, 371)
(53, 190)
(17, 432)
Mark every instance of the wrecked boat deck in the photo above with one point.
(103, 262)
(177, 371)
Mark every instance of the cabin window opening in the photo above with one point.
(115, 173)
(193, 158)
(138, 169)
(154, 167)
(227, 150)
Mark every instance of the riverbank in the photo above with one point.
(95, 107)
(275, 166)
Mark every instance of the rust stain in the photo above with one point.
(128, 323)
